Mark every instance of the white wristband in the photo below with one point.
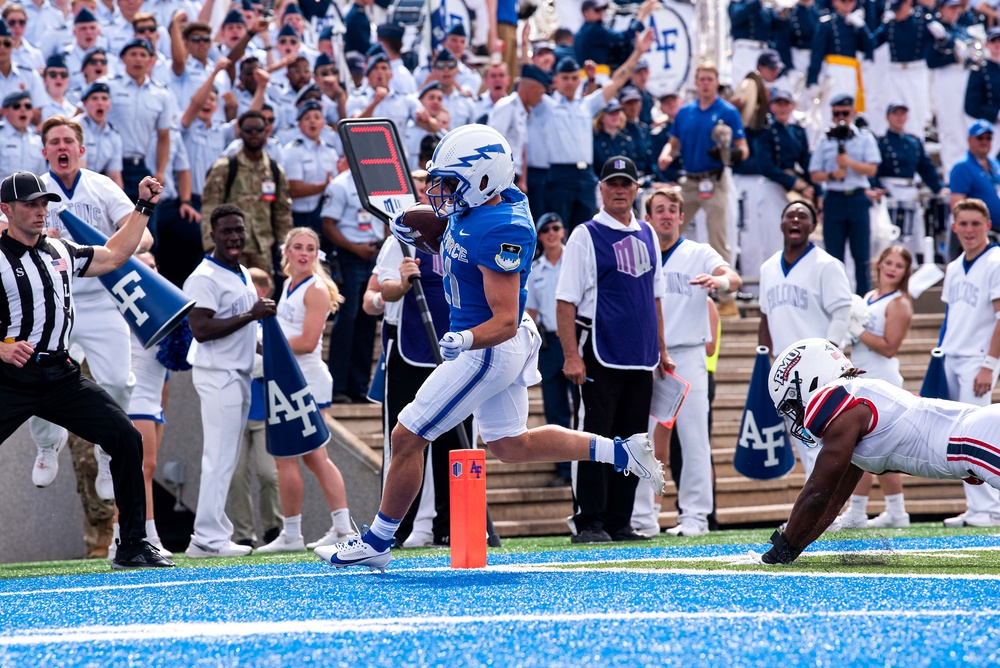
(378, 302)
(723, 283)
(466, 339)
(991, 363)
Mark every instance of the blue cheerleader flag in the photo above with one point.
(764, 449)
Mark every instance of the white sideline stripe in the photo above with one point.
(177, 631)
(564, 566)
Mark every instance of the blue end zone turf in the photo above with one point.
(421, 612)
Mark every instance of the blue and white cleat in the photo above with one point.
(354, 552)
(642, 460)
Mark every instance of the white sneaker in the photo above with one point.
(886, 520)
(354, 552)
(968, 519)
(283, 544)
(104, 485)
(418, 539)
(47, 463)
(688, 530)
(331, 537)
(196, 551)
(642, 461)
(650, 525)
(848, 521)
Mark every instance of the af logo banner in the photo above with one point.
(671, 56)
(295, 425)
(935, 385)
(764, 449)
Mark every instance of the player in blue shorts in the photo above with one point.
(491, 352)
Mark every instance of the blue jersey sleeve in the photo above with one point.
(507, 249)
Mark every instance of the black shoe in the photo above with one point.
(627, 534)
(270, 535)
(359, 398)
(139, 555)
(340, 398)
(591, 536)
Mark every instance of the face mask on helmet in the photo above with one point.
(445, 195)
(791, 407)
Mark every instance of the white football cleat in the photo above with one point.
(354, 552)
(885, 520)
(104, 485)
(283, 544)
(196, 551)
(642, 461)
(688, 530)
(47, 463)
(331, 537)
(848, 521)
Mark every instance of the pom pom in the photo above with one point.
(174, 348)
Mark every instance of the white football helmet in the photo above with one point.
(470, 165)
(798, 373)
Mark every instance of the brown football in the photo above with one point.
(427, 227)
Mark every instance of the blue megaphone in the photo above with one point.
(152, 305)
(935, 385)
(294, 424)
(764, 449)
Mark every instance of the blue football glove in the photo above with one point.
(401, 231)
(453, 343)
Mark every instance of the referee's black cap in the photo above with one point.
(24, 187)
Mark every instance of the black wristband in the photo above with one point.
(781, 552)
(144, 203)
(144, 210)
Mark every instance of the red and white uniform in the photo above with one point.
(930, 438)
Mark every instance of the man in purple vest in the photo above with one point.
(608, 303)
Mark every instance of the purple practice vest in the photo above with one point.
(624, 328)
(413, 343)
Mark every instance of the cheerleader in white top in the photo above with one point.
(889, 314)
(309, 297)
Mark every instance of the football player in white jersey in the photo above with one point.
(98, 328)
(889, 314)
(971, 339)
(689, 269)
(869, 425)
(804, 292)
(309, 296)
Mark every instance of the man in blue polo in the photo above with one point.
(978, 176)
(844, 161)
(698, 136)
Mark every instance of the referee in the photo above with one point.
(37, 375)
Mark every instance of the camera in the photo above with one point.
(840, 132)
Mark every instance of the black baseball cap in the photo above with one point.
(619, 165)
(24, 187)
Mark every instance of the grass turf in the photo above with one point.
(988, 562)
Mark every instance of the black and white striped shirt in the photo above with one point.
(35, 281)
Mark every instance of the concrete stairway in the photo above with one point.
(522, 503)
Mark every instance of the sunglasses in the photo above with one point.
(288, 40)
(6, 43)
(199, 39)
(986, 136)
(16, 22)
(53, 74)
(551, 228)
(445, 66)
(841, 114)
(254, 129)
(145, 30)
(21, 105)
(269, 120)
(97, 61)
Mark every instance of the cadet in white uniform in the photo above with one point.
(689, 269)
(869, 425)
(99, 328)
(102, 141)
(222, 355)
(20, 145)
(971, 349)
(310, 165)
(804, 292)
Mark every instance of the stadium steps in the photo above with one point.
(523, 504)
